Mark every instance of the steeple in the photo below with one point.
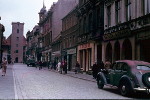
(43, 4)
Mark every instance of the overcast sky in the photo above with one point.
(24, 11)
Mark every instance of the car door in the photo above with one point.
(117, 73)
(111, 73)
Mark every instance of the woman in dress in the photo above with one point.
(4, 66)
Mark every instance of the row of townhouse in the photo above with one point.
(95, 30)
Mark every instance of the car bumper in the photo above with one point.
(143, 90)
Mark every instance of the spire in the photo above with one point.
(43, 4)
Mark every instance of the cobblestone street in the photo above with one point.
(22, 82)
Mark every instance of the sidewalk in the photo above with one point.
(83, 76)
(7, 84)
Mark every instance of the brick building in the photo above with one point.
(69, 37)
(17, 42)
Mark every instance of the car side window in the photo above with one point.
(118, 67)
(114, 65)
(124, 67)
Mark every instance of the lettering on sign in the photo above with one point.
(71, 51)
(85, 46)
(115, 35)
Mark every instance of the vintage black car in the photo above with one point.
(31, 63)
(128, 75)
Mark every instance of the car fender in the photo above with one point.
(126, 78)
(101, 74)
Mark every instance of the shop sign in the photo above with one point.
(71, 51)
(115, 35)
(143, 35)
(57, 53)
(85, 46)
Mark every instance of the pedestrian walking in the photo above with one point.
(4, 66)
(95, 70)
(40, 65)
(59, 67)
(65, 67)
(77, 67)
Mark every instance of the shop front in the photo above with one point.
(71, 58)
(86, 56)
(143, 47)
(56, 56)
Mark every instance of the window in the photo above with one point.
(128, 10)
(98, 17)
(146, 6)
(17, 38)
(17, 51)
(16, 45)
(84, 25)
(124, 67)
(109, 15)
(90, 22)
(17, 30)
(117, 11)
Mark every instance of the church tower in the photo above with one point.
(17, 42)
(42, 13)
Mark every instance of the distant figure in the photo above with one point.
(95, 70)
(54, 65)
(77, 67)
(100, 66)
(4, 66)
(40, 65)
(107, 65)
(65, 67)
(59, 67)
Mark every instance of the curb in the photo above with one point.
(68, 74)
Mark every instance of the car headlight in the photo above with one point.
(149, 79)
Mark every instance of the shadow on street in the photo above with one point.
(138, 95)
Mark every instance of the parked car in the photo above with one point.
(31, 63)
(128, 75)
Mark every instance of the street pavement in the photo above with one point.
(22, 82)
(7, 84)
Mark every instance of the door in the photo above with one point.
(117, 74)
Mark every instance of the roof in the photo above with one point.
(134, 62)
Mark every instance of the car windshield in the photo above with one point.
(143, 67)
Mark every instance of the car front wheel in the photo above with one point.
(100, 82)
(125, 88)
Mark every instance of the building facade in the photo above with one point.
(70, 30)
(127, 29)
(6, 49)
(2, 29)
(91, 28)
(51, 25)
(33, 44)
(17, 41)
